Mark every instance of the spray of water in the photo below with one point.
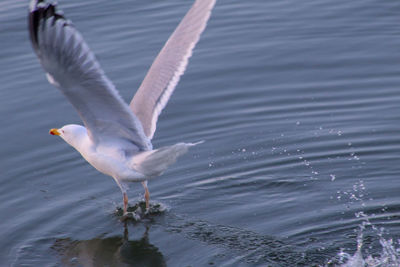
(389, 256)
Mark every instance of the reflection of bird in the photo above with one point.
(141, 252)
(116, 139)
(111, 251)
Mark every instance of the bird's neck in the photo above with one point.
(78, 139)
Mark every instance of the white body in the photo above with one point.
(110, 159)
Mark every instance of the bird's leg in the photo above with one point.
(125, 203)
(146, 195)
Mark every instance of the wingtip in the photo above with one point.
(33, 5)
(38, 10)
(33, 20)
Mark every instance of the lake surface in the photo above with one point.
(299, 106)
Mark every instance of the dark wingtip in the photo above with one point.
(37, 12)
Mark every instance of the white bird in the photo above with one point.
(115, 138)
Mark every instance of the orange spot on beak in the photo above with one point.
(54, 132)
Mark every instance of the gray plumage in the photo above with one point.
(170, 64)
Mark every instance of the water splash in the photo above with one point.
(389, 256)
(138, 211)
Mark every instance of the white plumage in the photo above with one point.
(115, 138)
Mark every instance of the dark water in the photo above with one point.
(298, 102)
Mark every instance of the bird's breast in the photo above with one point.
(112, 162)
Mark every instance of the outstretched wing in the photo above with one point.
(163, 76)
(73, 68)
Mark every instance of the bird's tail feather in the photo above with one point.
(154, 162)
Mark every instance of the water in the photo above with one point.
(298, 104)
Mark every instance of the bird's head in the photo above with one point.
(72, 134)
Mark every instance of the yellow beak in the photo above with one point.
(54, 131)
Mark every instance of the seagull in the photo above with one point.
(115, 137)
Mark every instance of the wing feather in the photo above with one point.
(72, 67)
(166, 70)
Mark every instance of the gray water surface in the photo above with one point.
(298, 104)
